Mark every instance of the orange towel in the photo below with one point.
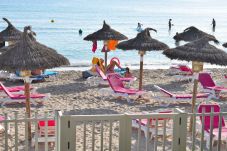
(111, 44)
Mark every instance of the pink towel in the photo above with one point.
(94, 46)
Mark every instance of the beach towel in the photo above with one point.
(94, 46)
(111, 44)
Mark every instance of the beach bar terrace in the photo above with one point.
(167, 131)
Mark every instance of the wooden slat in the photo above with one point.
(219, 132)
(110, 135)
(156, 134)
(164, 136)
(46, 131)
(6, 132)
(202, 131)
(16, 130)
(211, 128)
(148, 133)
(139, 136)
(193, 131)
(36, 132)
(101, 136)
(26, 132)
(93, 135)
(84, 140)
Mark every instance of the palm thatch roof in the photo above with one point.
(225, 45)
(10, 33)
(143, 42)
(199, 50)
(28, 54)
(106, 33)
(190, 34)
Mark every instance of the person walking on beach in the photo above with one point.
(213, 25)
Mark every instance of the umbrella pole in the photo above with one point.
(195, 86)
(141, 70)
(105, 47)
(28, 105)
(105, 62)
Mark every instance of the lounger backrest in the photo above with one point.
(185, 68)
(206, 80)
(6, 90)
(164, 91)
(99, 71)
(115, 82)
(207, 109)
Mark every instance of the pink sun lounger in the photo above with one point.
(14, 89)
(209, 85)
(119, 89)
(18, 98)
(169, 96)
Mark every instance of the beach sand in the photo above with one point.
(70, 92)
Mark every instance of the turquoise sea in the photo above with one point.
(122, 15)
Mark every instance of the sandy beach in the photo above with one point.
(70, 92)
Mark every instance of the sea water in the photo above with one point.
(123, 15)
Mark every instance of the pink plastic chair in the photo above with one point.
(118, 87)
(41, 132)
(209, 86)
(207, 108)
(143, 122)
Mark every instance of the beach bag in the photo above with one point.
(86, 74)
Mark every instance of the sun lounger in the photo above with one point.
(19, 98)
(207, 108)
(209, 85)
(169, 97)
(118, 88)
(16, 88)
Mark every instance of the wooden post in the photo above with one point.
(196, 68)
(28, 105)
(141, 70)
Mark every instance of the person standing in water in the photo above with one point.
(139, 27)
(170, 24)
(80, 32)
(213, 25)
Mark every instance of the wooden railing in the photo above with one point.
(152, 131)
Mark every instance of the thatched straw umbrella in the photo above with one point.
(142, 42)
(106, 33)
(225, 45)
(28, 54)
(10, 34)
(190, 34)
(198, 51)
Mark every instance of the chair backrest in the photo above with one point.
(207, 108)
(206, 80)
(99, 71)
(115, 82)
(164, 91)
(6, 90)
